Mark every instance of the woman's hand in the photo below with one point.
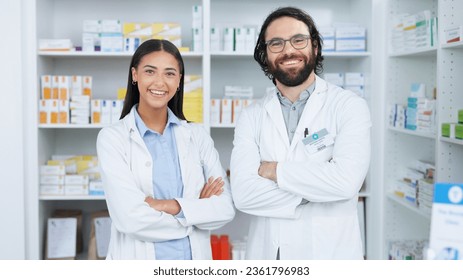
(212, 187)
(170, 206)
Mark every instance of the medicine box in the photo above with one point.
(250, 39)
(44, 114)
(215, 39)
(76, 180)
(51, 179)
(226, 111)
(240, 39)
(63, 107)
(95, 188)
(197, 12)
(45, 83)
(454, 34)
(87, 85)
(54, 111)
(76, 85)
(64, 87)
(237, 107)
(51, 190)
(215, 111)
(229, 39)
(91, 26)
(55, 44)
(354, 79)
(54, 87)
(76, 189)
(445, 127)
(458, 131)
(335, 78)
(52, 170)
(95, 109)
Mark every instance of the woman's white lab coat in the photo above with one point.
(327, 227)
(126, 169)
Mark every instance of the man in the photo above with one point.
(301, 153)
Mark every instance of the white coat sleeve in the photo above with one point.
(341, 177)
(128, 211)
(214, 212)
(252, 193)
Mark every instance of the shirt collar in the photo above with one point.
(142, 128)
(304, 96)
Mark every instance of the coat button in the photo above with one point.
(148, 164)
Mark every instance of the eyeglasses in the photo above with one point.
(297, 41)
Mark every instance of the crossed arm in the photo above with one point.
(171, 206)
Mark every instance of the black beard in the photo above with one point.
(290, 80)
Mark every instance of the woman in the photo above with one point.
(154, 167)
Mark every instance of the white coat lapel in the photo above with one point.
(273, 108)
(311, 110)
(183, 140)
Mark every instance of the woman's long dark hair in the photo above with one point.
(260, 51)
(133, 95)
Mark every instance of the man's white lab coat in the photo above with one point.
(327, 226)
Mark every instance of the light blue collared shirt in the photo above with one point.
(167, 179)
(292, 112)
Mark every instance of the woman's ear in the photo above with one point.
(134, 74)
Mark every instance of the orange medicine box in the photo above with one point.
(46, 86)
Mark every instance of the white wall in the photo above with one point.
(12, 213)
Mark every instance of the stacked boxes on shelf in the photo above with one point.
(413, 31)
(65, 99)
(233, 39)
(454, 34)
(135, 33)
(453, 130)
(71, 175)
(226, 111)
(343, 38)
(113, 35)
(418, 115)
(417, 186)
(193, 98)
(407, 249)
(197, 28)
(353, 81)
(350, 39)
(68, 100)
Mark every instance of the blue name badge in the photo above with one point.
(318, 141)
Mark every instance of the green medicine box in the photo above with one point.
(460, 116)
(459, 130)
(445, 129)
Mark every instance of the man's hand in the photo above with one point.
(212, 187)
(268, 170)
(170, 206)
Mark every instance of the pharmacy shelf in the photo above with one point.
(101, 54)
(346, 54)
(72, 126)
(456, 45)
(413, 132)
(74, 197)
(223, 126)
(432, 51)
(50, 19)
(451, 140)
(409, 206)
(325, 54)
